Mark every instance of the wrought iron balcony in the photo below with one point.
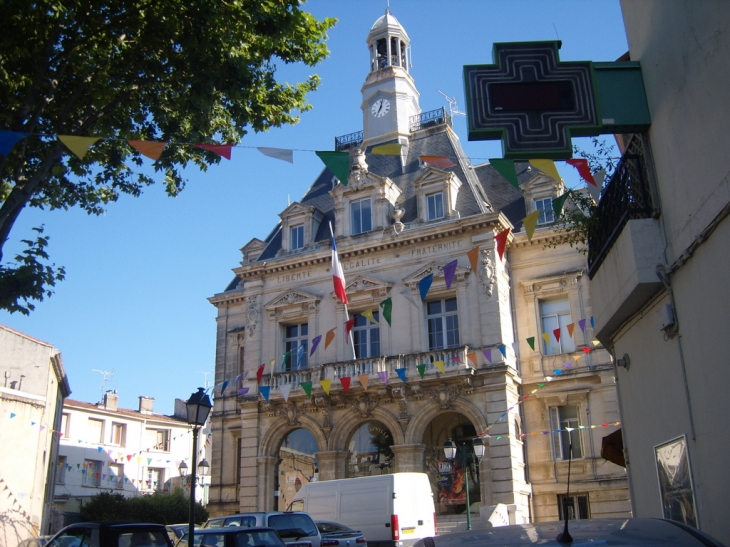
(431, 118)
(627, 196)
(349, 141)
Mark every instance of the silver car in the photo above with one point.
(296, 528)
(335, 534)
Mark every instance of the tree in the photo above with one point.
(159, 508)
(181, 71)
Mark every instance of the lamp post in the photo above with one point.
(465, 456)
(198, 407)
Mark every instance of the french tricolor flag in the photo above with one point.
(338, 275)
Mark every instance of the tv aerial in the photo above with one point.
(453, 109)
(107, 375)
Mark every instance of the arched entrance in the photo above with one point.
(369, 450)
(448, 477)
(297, 466)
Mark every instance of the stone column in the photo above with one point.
(332, 464)
(408, 457)
(267, 482)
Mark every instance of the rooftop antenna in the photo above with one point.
(205, 381)
(106, 374)
(453, 109)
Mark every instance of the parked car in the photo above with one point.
(631, 532)
(335, 534)
(296, 528)
(233, 536)
(176, 531)
(111, 534)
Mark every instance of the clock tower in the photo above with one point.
(389, 94)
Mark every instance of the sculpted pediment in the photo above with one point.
(292, 297)
(431, 174)
(366, 290)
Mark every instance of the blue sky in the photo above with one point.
(137, 278)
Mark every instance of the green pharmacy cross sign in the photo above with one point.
(535, 103)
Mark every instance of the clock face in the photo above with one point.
(380, 108)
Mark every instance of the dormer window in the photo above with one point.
(545, 206)
(299, 225)
(361, 216)
(435, 204)
(296, 237)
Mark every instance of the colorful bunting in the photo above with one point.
(571, 327)
(546, 337)
(383, 374)
(277, 153)
(530, 222)
(531, 341)
(329, 337)
(547, 167)
(223, 150)
(326, 385)
(348, 327)
(501, 239)
(593, 324)
(364, 379)
(368, 314)
(315, 342)
(424, 285)
(474, 258)
(449, 272)
(78, 145)
(506, 168)
(285, 390)
(151, 149)
(421, 370)
(438, 161)
(387, 307)
(345, 381)
(473, 359)
(260, 373)
(393, 149)
(242, 391)
(582, 325)
(487, 355)
(581, 164)
(338, 163)
(307, 387)
(8, 139)
(300, 354)
(503, 350)
(440, 365)
(559, 203)
(401, 372)
(556, 333)
(407, 294)
(264, 391)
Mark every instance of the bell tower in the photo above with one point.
(389, 94)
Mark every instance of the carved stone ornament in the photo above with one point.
(364, 405)
(252, 315)
(487, 272)
(358, 170)
(399, 394)
(290, 412)
(444, 395)
(322, 402)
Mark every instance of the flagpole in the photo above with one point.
(347, 313)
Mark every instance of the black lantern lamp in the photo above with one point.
(198, 407)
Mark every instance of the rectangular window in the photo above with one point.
(435, 204)
(119, 434)
(158, 439)
(295, 346)
(545, 206)
(91, 473)
(555, 314)
(116, 476)
(564, 422)
(443, 324)
(361, 218)
(576, 506)
(155, 478)
(366, 336)
(61, 470)
(65, 421)
(296, 237)
(95, 431)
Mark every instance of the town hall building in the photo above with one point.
(442, 337)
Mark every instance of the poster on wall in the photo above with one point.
(675, 481)
(451, 477)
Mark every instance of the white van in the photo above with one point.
(392, 510)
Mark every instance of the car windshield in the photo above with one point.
(292, 525)
(143, 539)
(242, 538)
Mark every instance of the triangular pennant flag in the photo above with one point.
(307, 387)
(348, 327)
(383, 374)
(449, 271)
(559, 203)
(277, 153)
(260, 373)
(99, 449)
(368, 314)
(506, 168)
(558, 371)
(501, 239)
(407, 294)
(223, 150)
(587, 350)
(487, 354)
(440, 365)
(338, 163)
(547, 167)
(224, 386)
(556, 333)
(13, 415)
(424, 285)
(581, 164)
(593, 324)
(129, 457)
(530, 222)
(78, 145)
(264, 391)
(546, 337)
(571, 327)
(329, 337)
(242, 391)
(392, 149)
(531, 341)
(577, 357)
(285, 390)
(582, 325)
(8, 139)
(503, 350)
(300, 354)
(438, 161)
(401, 372)
(364, 379)
(326, 385)
(345, 381)
(473, 359)
(387, 307)
(473, 256)
(456, 358)
(151, 149)
(596, 342)
(315, 342)
(421, 370)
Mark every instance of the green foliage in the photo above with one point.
(179, 71)
(578, 215)
(159, 508)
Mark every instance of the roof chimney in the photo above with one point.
(146, 404)
(111, 399)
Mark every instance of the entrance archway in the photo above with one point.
(297, 466)
(369, 450)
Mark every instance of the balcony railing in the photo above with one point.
(431, 118)
(627, 196)
(349, 141)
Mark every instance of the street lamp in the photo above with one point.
(198, 407)
(465, 456)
